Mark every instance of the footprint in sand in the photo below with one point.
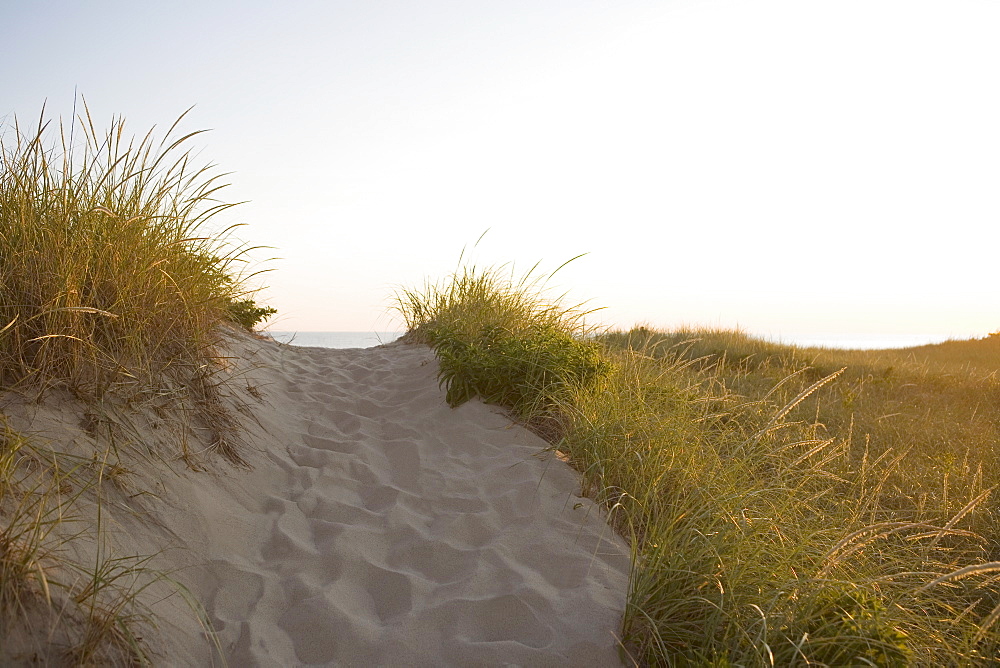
(432, 560)
(391, 592)
(492, 620)
(234, 595)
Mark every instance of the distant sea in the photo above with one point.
(846, 341)
(857, 341)
(335, 339)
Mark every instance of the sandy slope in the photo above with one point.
(378, 526)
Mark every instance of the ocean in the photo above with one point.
(858, 341)
(335, 339)
(846, 341)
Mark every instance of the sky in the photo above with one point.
(788, 167)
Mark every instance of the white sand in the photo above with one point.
(378, 526)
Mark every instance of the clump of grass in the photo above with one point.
(110, 273)
(523, 370)
(474, 298)
(28, 518)
(499, 338)
(785, 506)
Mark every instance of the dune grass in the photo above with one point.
(115, 288)
(111, 276)
(55, 610)
(500, 338)
(786, 506)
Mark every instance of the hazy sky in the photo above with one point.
(788, 166)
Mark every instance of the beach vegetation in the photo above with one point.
(786, 506)
(112, 273)
(525, 370)
(116, 290)
(500, 337)
(248, 314)
(55, 609)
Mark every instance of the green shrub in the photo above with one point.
(247, 314)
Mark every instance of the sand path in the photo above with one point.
(390, 529)
(375, 527)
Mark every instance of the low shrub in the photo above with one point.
(248, 314)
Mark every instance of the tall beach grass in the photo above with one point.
(785, 506)
(115, 289)
(111, 274)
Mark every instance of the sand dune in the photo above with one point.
(378, 526)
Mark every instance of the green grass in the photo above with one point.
(115, 289)
(786, 506)
(499, 338)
